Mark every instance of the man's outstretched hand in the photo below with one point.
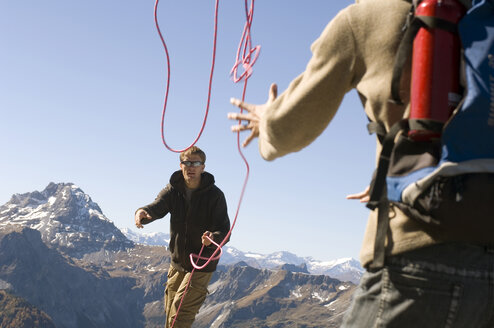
(253, 116)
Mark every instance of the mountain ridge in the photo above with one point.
(71, 221)
(62, 255)
(343, 268)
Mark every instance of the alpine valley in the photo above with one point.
(63, 263)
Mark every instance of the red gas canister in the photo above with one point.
(435, 69)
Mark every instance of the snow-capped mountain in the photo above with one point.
(147, 238)
(67, 219)
(346, 269)
(61, 254)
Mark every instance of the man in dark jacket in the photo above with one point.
(198, 213)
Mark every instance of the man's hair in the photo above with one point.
(194, 150)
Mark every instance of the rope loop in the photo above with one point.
(198, 257)
(246, 54)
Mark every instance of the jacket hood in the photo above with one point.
(177, 181)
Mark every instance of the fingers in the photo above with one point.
(248, 139)
(141, 214)
(205, 237)
(238, 128)
(356, 196)
(239, 116)
(144, 214)
(273, 92)
(365, 199)
(243, 127)
(363, 196)
(137, 220)
(239, 103)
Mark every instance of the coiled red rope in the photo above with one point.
(249, 54)
(246, 57)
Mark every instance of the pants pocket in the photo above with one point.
(418, 300)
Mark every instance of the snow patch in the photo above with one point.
(52, 200)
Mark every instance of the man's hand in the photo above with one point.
(205, 240)
(253, 116)
(363, 196)
(141, 214)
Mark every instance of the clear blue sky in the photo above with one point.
(81, 94)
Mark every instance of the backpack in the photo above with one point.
(447, 182)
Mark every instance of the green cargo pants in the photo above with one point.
(196, 294)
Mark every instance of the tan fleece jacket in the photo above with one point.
(356, 50)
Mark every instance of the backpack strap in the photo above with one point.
(378, 184)
(378, 128)
(426, 124)
(378, 193)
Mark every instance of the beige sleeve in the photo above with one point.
(302, 112)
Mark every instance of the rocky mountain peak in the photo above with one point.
(67, 219)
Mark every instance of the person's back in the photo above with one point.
(356, 50)
(377, 27)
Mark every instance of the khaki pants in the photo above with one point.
(196, 294)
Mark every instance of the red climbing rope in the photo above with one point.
(167, 88)
(246, 57)
(247, 62)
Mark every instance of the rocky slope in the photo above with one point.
(248, 297)
(17, 313)
(72, 295)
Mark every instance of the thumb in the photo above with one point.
(273, 92)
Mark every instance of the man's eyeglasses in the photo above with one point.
(192, 163)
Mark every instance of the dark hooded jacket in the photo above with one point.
(207, 212)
